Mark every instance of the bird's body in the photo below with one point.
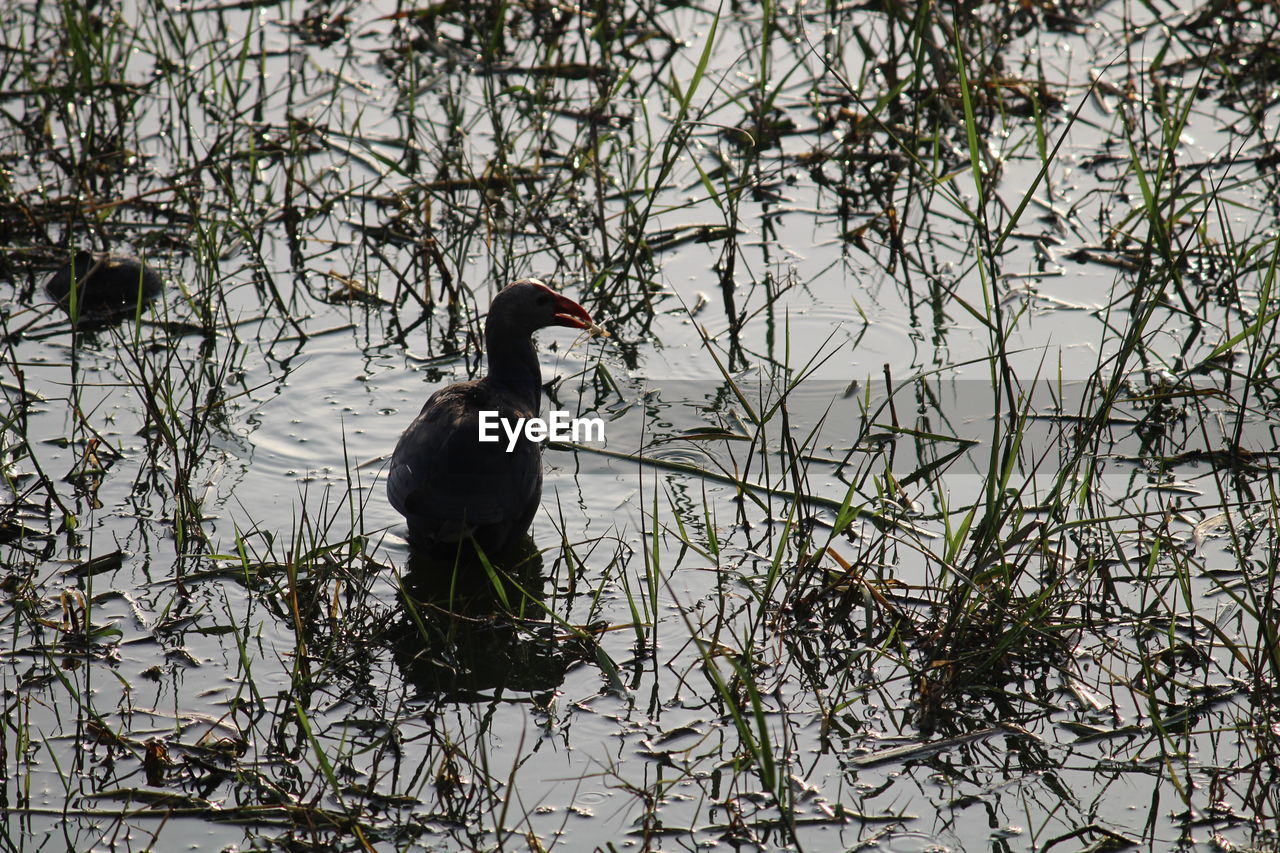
(104, 286)
(448, 484)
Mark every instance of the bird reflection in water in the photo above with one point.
(474, 628)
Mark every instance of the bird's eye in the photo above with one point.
(543, 300)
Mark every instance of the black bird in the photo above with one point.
(449, 485)
(105, 287)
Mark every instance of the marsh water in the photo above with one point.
(936, 504)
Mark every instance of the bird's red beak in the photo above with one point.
(571, 314)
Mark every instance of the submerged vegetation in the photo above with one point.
(939, 499)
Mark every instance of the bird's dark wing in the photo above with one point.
(447, 483)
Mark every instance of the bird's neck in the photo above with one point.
(513, 364)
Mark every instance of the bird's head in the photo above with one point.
(528, 304)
